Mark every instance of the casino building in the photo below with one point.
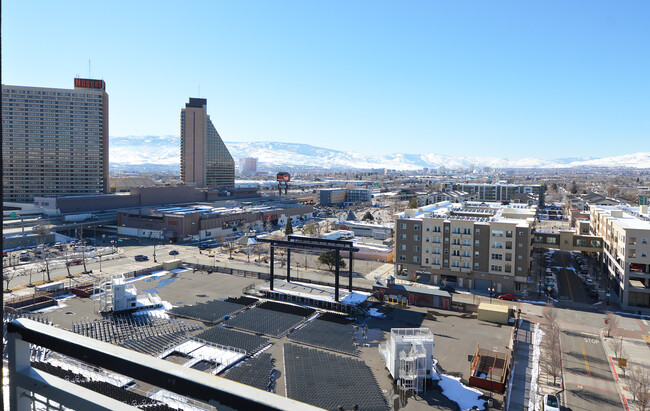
(205, 159)
(54, 140)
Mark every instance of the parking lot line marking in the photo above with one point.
(584, 353)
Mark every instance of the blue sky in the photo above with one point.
(512, 79)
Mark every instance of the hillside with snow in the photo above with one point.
(164, 151)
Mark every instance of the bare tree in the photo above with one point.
(7, 276)
(551, 344)
(612, 323)
(617, 346)
(639, 385)
(550, 314)
(41, 231)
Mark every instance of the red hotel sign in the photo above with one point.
(89, 83)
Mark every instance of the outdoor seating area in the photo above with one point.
(330, 332)
(155, 344)
(214, 311)
(231, 338)
(121, 329)
(104, 388)
(270, 318)
(329, 380)
(256, 372)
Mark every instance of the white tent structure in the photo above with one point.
(116, 295)
(408, 356)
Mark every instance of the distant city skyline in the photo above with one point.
(516, 80)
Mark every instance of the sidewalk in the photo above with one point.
(637, 353)
(524, 367)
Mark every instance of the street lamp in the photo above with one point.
(491, 292)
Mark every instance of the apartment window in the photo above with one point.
(446, 229)
(467, 242)
(436, 251)
(478, 232)
(416, 259)
(519, 257)
(496, 268)
(632, 241)
(455, 263)
(508, 234)
(426, 250)
(508, 245)
(497, 244)
(426, 239)
(402, 258)
(446, 240)
(402, 226)
(508, 269)
(456, 241)
(521, 233)
(466, 265)
(519, 269)
(476, 243)
(402, 236)
(416, 237)
(455, 253)
(497, 233)
(497, 256)
(426, 260)
(416, 227)
(644, 241)
(436, 229)
(427, 228)
(476, 254)
(416, 248)
(466, 254)
(521, 245)
(476, 266)
(446, 264)
(436, 240)
(402, 247)
(436, 261)
(456, 231)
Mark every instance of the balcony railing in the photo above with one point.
(24, 381)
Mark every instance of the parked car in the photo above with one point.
(508, 297)
(551, 403)
(173, 252)
(141, 257)
(76, 261)
(4, 254)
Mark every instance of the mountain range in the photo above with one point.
(164, 152)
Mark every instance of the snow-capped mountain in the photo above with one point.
(165, 151)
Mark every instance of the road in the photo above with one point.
(588, 380)
(570, 287)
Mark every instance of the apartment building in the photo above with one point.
(205, 159)
(342, 196)
(626, 251)
(54, 140)
(493, 192)
(470, 245)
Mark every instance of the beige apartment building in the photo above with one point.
(470, 245)
(205, 159)
(54, 140)
(626, 252)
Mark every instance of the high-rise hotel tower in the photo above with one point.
(205, 159)
(54, 141)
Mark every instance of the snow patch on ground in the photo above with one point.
(147, 277)
(464, 396)
(537, 340)
(160, 312)
(374, 312)
(533, 302)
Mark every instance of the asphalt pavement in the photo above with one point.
(588, 380)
